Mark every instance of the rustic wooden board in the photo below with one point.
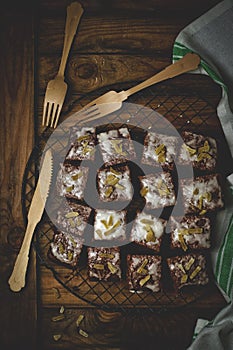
(19, 311)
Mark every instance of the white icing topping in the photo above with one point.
(103, 216)
(154, 141)
(139, 232)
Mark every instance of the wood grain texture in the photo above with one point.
(16, 141)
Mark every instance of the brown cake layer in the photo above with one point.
(104, 264)
(198, 150)
(83, 141)
(148, 231)
(159, 150)
(188, 270)
(144, 272)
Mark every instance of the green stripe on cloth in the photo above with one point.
(224, 265)
(179, 50)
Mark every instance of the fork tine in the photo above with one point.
(49, 112)
(45, 113)
(56, 116)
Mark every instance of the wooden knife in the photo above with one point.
(17, 278)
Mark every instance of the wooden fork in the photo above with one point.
(56, 88)
(112, 100)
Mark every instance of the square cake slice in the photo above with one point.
(199, 150)
(147, 231)
(188, 270)
(116, 146)
(66, 248)
(71, 181)
(144, 272)
(72, 218)
(82, 144)
(115, 184)
(190, 232)
(201, 194)
(159, 150)
(109, 225)
(104, 264)
(158, 190)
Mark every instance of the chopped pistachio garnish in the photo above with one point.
(200, 202)
(141, 268)
(203, 156)
(161, 158)
(57, 337)
(202, 212)
(83, 333)
(207, 196)
(196, 191)
(111, 230)
(204, 148)
(162, 188)
(182, 242)
(189, 264)
(79, 320)
(58, 318)
(70, 255)
(111, 180)
(181, 268)
(144, 191)
(195, 272)
(83, 137)
(77, 176)
(160, 149)
(104, 222)
(147, 221)
(57, 292)
(184, 278)
(108, 191)
(62, 310)
(69, 188)
(191, 231)
(98, 266)
(150, 237)
(112, 268)
(71, 214)
(110, 221)
(61, 248)
(144, 280)
(114, 171)
(191, 150)
(99, 233)
(106, 255)
(119, 186)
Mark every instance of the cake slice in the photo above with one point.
(66, 249)
(109, 225)
(71, 181)
(147, 231)
(116, 146)
(158, 190)
(144, 272)
(199, 150)
(159, 150)
(188, 270)
(190, 232)
(115, 184)
(201, 194)
(82, 144)
(72, 218)
(104, 264)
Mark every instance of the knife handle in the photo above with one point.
(17, 278)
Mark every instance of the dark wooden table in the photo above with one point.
(118, 42)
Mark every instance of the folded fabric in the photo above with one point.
(211, 36)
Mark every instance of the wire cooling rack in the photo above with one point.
(184, 112)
